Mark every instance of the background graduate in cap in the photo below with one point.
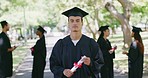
(6, 65)
(70, 49)
(39, 53)
(135, 55)
(108, 54)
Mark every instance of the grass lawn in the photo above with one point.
(20, 52)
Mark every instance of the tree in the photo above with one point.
(92, 21)
(140, 11)
(123, 18)
(4, 8)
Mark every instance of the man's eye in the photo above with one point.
(77, 20)
(71, 20)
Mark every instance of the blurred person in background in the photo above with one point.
(6, 65)
(135, 55)
(39, 53)
(108, 54)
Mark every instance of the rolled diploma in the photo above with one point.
(113, 49)
(78, 63)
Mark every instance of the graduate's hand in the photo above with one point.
(11, 49)
(111, 51)
(124, 52)
(14, 47)
(87, 61)
(32, 49)
(67, 73)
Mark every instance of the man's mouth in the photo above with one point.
(75, 27)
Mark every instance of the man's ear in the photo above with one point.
(68, 26)
(82, 22)
(5, 26)
(103, 31)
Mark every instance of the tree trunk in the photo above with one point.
(146, 24)
(126, 35)
(113, 31)
(122, 18)
(90, 30)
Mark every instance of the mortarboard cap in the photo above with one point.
(41, 29)
(4, 23)
(103, 28)
(75, 12)
(136, 29)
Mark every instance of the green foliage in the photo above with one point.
(48, 12)
(140, 8)
(139, 11)
(21, 3)
(108, 19)
(50, 23)
(4, 8)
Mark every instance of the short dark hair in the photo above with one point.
(3, 23)
(81, 19)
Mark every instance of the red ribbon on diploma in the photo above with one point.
(114, 48)
(32, 49)
(77, 65)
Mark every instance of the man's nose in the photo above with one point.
(74, 22)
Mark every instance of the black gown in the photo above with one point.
(65, 53)
(107, 69)
(135, 61)
(39, 60)
(6, 65)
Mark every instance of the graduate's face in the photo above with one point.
(7, 27)
(75, 23)
(106, 33)
(132, 35)
(38, 32)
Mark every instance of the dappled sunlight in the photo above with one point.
(25, 15)
(20, 74)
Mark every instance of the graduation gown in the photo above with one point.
(135, 61)
(65, 54)
(107, 69)
(39, 60)
(6, 65)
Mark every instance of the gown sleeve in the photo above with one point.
(36, 48)
(1, 41)
(4, 48)
(56, 61)
(113, 54)
(39, 46)
(133, 53)
(97, 60)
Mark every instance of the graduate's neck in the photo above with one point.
(41, 35)
(4, 30)
(75, 35)
(105, 37)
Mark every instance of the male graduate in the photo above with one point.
(6, 66)
(69, 50)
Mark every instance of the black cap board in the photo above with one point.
(103, 28)
(75, 12)
(136, 29)
(41, 29)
